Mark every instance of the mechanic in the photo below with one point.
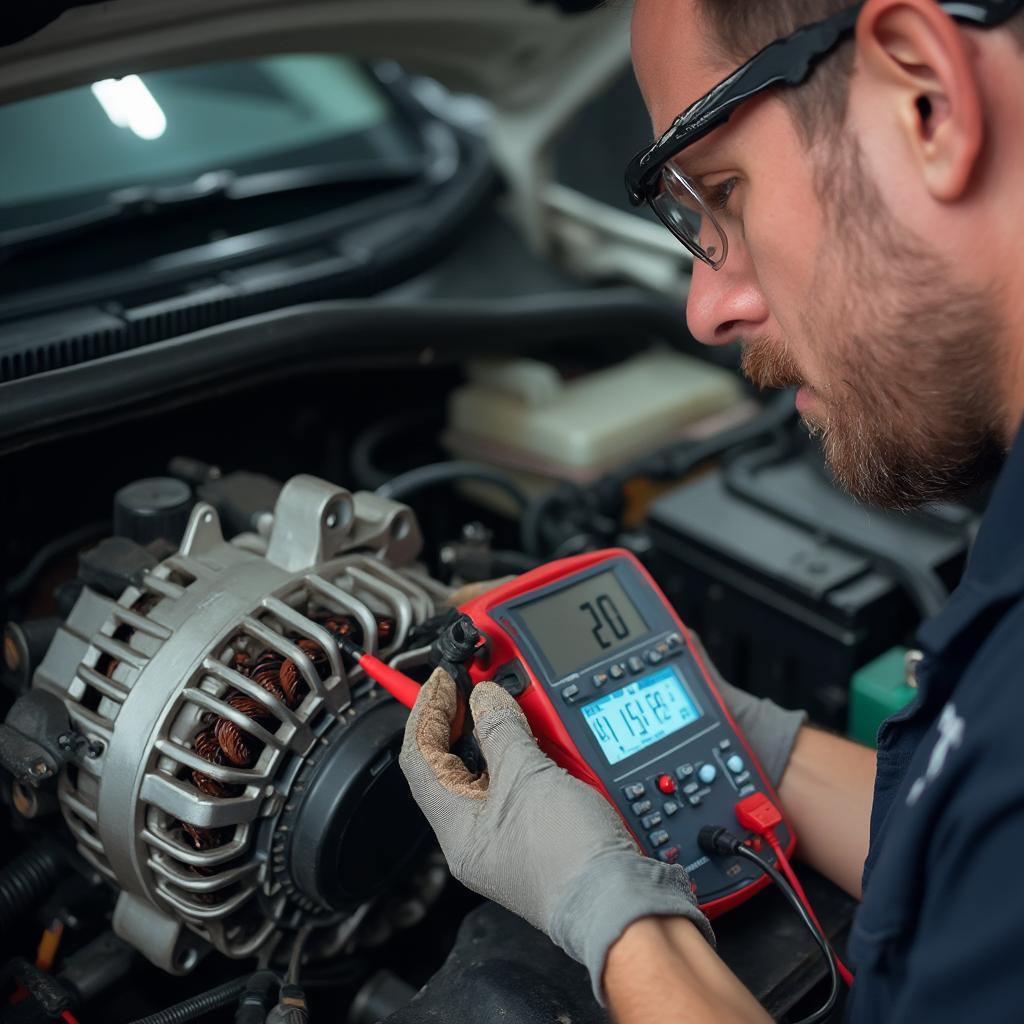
(858, 230)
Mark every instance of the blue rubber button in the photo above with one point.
(707, 773)
(735, 764)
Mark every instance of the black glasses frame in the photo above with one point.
(787, 61)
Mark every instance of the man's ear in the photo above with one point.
(915, 54)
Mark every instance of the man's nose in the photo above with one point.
(726, 304)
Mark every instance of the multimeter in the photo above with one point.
(617, 694)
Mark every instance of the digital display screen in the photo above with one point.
(581, 624)
(641, 713)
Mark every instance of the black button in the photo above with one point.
(690, 787)
(748, 789)
(634, 791)
(671, 855)
(636, 663)
(600, 678)
(651, 820)
(570, 693)
(674, 640)
(741, 778)
(617, 671)
(695, 801)
(662, 648)
(653, 657)
(670, 807)
(684, 771)
(642, 806)
(724, 744)
(659, 838)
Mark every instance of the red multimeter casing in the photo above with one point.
(617, 695)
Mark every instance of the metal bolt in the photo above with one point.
(40, 769)
(476, 533)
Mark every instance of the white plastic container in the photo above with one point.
(521, 416)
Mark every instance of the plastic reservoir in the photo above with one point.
(522, 416)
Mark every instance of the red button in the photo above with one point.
(666, 784)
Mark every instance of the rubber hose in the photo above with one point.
(27, 879)
(197, 1005)
(403, 486)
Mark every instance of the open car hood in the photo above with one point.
(508, 51)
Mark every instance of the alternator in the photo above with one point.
(233, 775)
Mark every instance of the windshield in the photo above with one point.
(66, 150)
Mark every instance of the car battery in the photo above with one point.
(784, 610)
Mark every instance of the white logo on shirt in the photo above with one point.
(951, 735)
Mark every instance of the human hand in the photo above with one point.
(528, 835)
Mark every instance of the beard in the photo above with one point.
(910, 411)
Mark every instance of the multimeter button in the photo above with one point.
(748, 789)
(741, 778)
(735, 764)
(695, 800)
(690, 787)
(670, 807)
(674, 640)
(636, 663)
(671, 855)
(651, 820)
(684, 771)
(600, 678)
(617, 671)
(666, 784)
(635, 791)
(724, 744)
(662, 648)
(653, 657)
(570, 693)
(642, 806)
(659, 838)
(707, 773)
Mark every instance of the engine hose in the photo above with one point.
(197, 1005)
(27, 879)
(400, 488)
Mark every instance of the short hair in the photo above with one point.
(739, 28)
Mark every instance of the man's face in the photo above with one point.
(893, 354)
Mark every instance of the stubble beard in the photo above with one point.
(910, 412)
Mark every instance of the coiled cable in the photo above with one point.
(27, 878)
(197, 1005)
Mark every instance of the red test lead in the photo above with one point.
(403, 688)
(759, 815)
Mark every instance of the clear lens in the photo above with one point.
(679, 206)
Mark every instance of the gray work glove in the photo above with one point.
(770, 730)
(529, 836)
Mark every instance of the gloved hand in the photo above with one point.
(529, 836)
(770, 730)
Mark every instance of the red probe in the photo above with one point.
(403, 688)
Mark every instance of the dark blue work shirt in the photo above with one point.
(940, 934)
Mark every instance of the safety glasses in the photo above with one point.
(652, 178)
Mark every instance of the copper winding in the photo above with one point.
(224, 742)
